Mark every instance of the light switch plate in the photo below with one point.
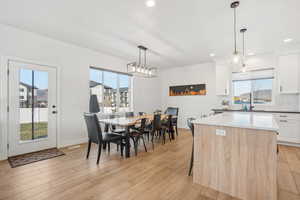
(220, 132)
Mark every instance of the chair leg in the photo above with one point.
(176, 130)
(170, 136)
(144, 143)
(99, 152)
(89, 149)
(152, 140)
(136, 145)
(164, 136)
(122, 149)
(108, 145)
(117, 147)
(104, 145)
(192, 162)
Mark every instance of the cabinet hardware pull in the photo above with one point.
(282, 116)
(283, 120)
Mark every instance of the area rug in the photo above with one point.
(20, 160)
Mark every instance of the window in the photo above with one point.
(113, 90)
(261, 90)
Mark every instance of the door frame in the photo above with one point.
(4, 101)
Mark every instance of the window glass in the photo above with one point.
(112, 90)
(261, 90)
(241, 91)
(96, 85)
(33, 102)
(124, 93)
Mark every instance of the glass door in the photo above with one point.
(32, 104)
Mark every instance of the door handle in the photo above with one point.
(54, 112)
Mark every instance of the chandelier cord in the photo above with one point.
(235, 50)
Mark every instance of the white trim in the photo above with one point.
(4, 100)
(73, 142)
(3, 107)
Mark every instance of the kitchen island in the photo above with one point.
(236, 153)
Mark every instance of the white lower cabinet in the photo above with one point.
(289, 127)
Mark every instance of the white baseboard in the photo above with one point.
(72, 142)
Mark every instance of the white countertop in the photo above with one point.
(262, 121)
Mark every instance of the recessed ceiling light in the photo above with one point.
(212, 55)
(250, 54)
(287, 40)
(150, 3)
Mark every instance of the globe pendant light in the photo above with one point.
(236, 56)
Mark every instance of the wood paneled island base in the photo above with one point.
(242, 163)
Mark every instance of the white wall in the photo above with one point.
(189, 106)
(146, 95)
(73, 63)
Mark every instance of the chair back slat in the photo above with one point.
(93, 127)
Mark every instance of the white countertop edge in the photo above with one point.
(258, 121)
(276, 129)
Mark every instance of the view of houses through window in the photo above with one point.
(113, 90)
(261, 90)
(33, 104)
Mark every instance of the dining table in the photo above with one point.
(126, 123)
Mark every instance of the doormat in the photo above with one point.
(20, 160)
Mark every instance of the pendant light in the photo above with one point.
(142, 69)
(243, 30)
(236, 56)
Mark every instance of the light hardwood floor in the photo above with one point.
(156, 175)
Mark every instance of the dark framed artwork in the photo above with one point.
(187, 90)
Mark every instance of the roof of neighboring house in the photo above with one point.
(94, 84)
(27, 85)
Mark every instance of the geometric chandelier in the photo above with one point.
(142, 69)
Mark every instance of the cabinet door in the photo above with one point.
(222, 80)
(288, 74)
(289, 127)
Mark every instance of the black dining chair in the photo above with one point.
(137, 134)
(174, 112)
(191, 127)
(96, 136)
(129, 114)
(167, 127)
(155, 128)
(93, 104)
(142, 113)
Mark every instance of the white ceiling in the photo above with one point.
(177, 32)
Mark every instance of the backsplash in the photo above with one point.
(286, 102)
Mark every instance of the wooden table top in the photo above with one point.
(129, 121)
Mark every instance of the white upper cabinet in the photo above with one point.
(222, 79)
(288, 74)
